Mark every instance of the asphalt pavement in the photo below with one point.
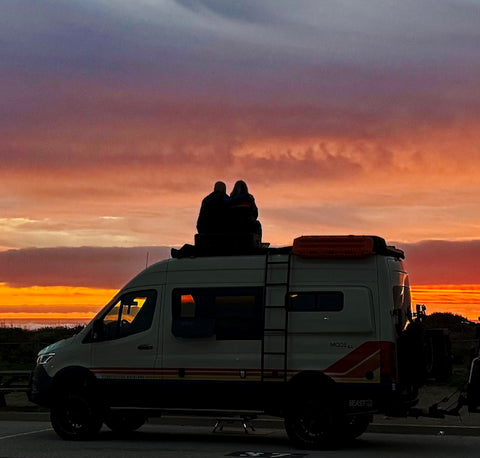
(20, 409)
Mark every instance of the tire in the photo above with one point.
(315, 425)
(124, 422)
(75, 416)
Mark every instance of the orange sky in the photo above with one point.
(342, 119)
(57, 304)
(462, 300)
(64, 305)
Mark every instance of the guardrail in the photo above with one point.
(13, 381)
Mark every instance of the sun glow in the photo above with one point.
(58, 305)
(458, 299)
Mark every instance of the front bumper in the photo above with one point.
(40, 387)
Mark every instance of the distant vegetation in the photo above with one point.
(464, 338)
(450, 321)
(19, 347)
(464, 335)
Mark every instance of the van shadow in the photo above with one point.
(258, 439)
(268, 439)
(149, 433)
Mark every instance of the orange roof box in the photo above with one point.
(333, 246)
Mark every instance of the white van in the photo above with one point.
(309, 333)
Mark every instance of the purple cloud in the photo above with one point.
(90, 267)
(428, 262)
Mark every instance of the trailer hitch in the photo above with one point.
(435, 412)
(472, 398)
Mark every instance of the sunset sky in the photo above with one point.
(344, 117)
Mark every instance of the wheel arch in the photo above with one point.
(73, 379)
(309, 383)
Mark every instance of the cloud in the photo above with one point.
(85, 266)
(363, 110)
(247, 51)
(442, 262)
(428, 262)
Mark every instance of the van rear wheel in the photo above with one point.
(75, 416)
(315, 425)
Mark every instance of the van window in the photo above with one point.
(402, 305)
(226, 313)
(318, 301)
(132, 313)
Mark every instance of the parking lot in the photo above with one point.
(25, 431)
(20, 439)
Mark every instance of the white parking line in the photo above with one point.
(25, 434)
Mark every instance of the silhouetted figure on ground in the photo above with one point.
(242, 211)
(212, 217)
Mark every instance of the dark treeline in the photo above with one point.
(451, 321)
(464, 335)
(19, 347)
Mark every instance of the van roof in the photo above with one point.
(311, 246)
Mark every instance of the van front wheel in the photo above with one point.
(75, 416)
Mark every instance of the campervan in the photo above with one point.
(315, 333)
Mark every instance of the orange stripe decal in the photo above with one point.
(365, 358)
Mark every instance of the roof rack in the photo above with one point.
(310, 246)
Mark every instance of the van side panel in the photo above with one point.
(211, 369)
(339, 322)
(319, 339)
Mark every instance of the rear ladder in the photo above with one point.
(274, 352)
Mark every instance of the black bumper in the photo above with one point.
(40, 387)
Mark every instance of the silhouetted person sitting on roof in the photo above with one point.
(242, 211)
(212, 216)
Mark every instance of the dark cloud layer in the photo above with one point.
(85, 266)
(367, 58)
(443, 262)
(91, 81)
(428, 262)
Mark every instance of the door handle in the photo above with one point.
(145, 347)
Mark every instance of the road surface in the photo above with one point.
(21, 439)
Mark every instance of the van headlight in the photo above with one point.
(45, 358)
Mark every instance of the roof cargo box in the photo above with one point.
(342, 246)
